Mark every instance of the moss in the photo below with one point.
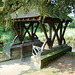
(53, 55)
(71, 53)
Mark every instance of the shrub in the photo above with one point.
(72, 24)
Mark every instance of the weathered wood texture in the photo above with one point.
(21, 50)
(55, 53)
(32, 34)
(20, 31)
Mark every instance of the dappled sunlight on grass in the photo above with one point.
(62, 66)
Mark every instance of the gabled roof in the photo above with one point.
(21, 13)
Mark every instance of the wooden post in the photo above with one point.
(21, 33)
(60, 42)
(21, 46)
(44, 29)
(50, 34)
(32, 32)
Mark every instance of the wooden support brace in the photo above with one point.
(43, 27)
(56, 33)
(15, 38)
(27, 32)
(66, 23)
(32, 35)
(36, 29)
(17, 32)
(22, 53)
(21, 30)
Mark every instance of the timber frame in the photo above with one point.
(21, 22)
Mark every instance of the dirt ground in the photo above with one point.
(64, 65)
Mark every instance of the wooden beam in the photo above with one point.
(32, 31)
(48, 39)
(36, 28)
(60, 32)
(17, 32)
(25, 31)
(21, 30)
(15, 38)
(43, 27)
(66, 24)
(28, 32)
(50, 33)
(55, 33)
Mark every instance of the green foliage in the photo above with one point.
(6, 36)
(72, 24)
(60, 9)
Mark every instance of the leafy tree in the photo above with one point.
(54, 8)
(72, 24)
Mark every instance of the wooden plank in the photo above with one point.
(36, 17)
